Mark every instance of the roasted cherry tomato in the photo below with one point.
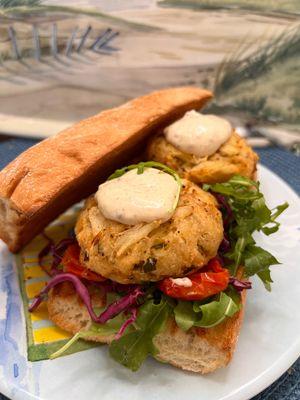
(71, 264)
(210, 280)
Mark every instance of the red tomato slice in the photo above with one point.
(71, 264)
(210, 280)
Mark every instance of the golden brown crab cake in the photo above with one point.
(155, 250)
(235, 156)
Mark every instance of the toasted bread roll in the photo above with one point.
(56, 173)
(198, 350)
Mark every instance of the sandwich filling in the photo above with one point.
(140, 299)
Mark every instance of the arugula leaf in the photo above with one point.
(140, 167)
(206, 315)
(257, 259)
(268, 230)
(63, 349)
(250, 214)
(265, 277)
(133, 348)
(238, 187)
(216, 311)
(184, 314)
(109, 328)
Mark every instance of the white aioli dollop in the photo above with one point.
(134, 198)
(198, 134)
(185, 282)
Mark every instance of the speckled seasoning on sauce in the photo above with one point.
(198, 134)
(135, 198)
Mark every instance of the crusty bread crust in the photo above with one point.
(198, 350)
(59, 171)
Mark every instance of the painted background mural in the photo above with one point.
(60, 63)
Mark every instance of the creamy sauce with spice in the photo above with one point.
(134, 198)
(198, 134)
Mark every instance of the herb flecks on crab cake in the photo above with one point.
(145, 227)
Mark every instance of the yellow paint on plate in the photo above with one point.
(49, 334)
(35, 261)
(33, 272)
(33, 289)
(40, 314)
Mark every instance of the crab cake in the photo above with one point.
(233, 157)
(152, 251)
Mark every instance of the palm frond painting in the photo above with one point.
(263, 83)
(267, 6)
(100, 53)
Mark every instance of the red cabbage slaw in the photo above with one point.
(128, 322)
(240, 285)
(128, 303)
(225, 244)
(228, 214)
(115, 308)
(57, 252)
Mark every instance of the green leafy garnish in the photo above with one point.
(109, 328)
(184, 314)
(256, 259)
(215, 312)
(245, 211)
(209, 314)
(265, 277)
(133, 348)
(74, 339)
(249, 214)
(140, 167)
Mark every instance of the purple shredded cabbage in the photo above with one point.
(240, 285)
(45, 251)
(225, 245)
(57, 252)
(128, 322)
(111, 286)
(120, 305)
(228, 211)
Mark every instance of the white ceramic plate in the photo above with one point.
(269, 342)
